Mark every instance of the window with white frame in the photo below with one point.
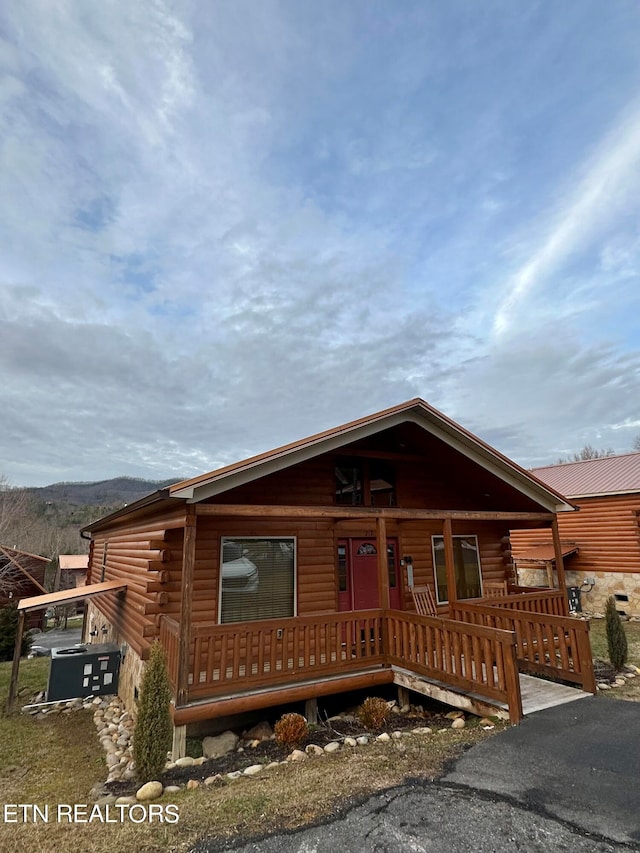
(257, 578)
(466, 561)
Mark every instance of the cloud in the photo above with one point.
(610, 176)
(537, 398)
(230, 226)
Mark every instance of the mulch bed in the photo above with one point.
(268, 750)
(603, 671)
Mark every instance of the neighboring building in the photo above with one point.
(604, 535)
(22, 575)
(72, 573)
(288, 576)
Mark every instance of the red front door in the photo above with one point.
(358, 574)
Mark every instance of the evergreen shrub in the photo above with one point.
(154, 730)
(616, 637)
(8, 631)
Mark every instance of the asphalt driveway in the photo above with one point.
(566, 779)
(579, 763)
(57, 638)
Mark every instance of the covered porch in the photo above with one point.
(473, 661)
(471, 655)
(480, 661)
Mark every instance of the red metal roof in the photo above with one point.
(544, 552)
(609, 475)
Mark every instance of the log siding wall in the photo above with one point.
(146, 554)
(607, 532)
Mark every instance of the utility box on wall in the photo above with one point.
(575, 604)
(79, 671)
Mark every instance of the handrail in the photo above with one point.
(479, 649)
(556, 646)
(475, 658)
(549, 602)
(250, 656)
(169, 637)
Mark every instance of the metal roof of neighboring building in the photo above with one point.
(608, 475)
(544, 552)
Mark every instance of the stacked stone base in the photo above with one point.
(594, 598)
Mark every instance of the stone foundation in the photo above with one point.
(595, 598)
(131, 666)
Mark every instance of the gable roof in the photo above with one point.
(416, 411)
(608, 475)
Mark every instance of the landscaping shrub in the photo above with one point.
(373, 712)
(616, 637)
(8, 631)
(153, 732)
(291, 730)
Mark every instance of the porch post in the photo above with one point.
(557, 548)
(449, 561)
(383, 565)
(15, 669)
(184, 641)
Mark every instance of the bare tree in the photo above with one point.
(14, 508)
(14, 505)
(587, 452)
(636, 443)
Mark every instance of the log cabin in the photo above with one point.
(289, 576)
(601, 542)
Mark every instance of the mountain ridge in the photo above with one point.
(121, 489)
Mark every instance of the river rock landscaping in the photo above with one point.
(230, 756)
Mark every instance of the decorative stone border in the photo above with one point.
(311, 752)
(115, 728)
(628, 672)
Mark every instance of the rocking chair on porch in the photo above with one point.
(423, 600)
(495, 589)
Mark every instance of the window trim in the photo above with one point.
(435, 536)
(221, 542)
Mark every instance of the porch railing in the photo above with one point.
(546, 644)
(552, 602)
(235, 658)
(247, 656)
(472, 657)
(170, 640)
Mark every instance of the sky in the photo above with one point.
(229, 225)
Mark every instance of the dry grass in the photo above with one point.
(597, 633)
(58, 760)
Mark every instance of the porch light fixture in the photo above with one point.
(408, 562)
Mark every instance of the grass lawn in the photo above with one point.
(58, 760)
